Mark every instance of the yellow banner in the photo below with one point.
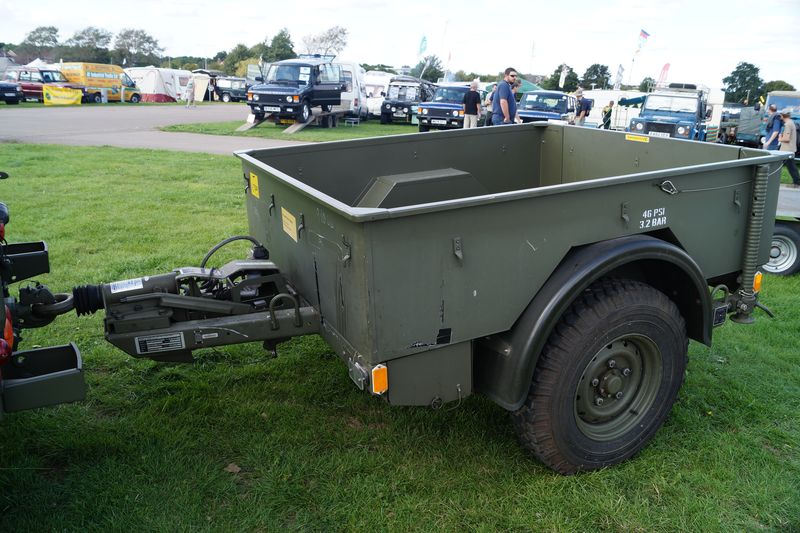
(61, 96)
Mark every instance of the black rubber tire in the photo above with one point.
(386, 118)
(259, 116)
(616, 312)
(135, 99)
(423, 129)
(12, 102)
(326, 108)
(785, 251)
(226, 97)
(305, 112)
(96, 98)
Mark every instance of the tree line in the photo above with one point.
(133, 47)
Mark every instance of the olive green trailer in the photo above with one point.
(558, 270)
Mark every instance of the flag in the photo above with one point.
(643, 35)
(124, 60)
(423, 45)
(563, 78)
(618, 79)
(662, 79)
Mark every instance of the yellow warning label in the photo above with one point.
(637, 138)
(254, 185)
(289, 224)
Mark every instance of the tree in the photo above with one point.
(331, 41)
(90, 37)
(647, 84)
(743, 83)
(219, 57)
(430, 68)
(239, 53)
(778, 85)
(596, 75)
(136, 47)
(570, 83)
(38, 43)
(281, 47)
(89, 44)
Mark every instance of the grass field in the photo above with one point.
(241, 442)
(267, 130)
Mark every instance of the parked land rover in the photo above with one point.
(538, 106)
(10, 93)
(33, 79)
(231, 89)
(293, 86)
(405, 93)
(446, 110)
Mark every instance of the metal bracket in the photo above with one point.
(737, 199)
(348, 254)
(668, 187)
(623, 213)
(458, 249)
(271, 204)
(302, 225)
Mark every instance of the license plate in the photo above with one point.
(438, 121)
(11, 94)
(658, 134)
(286, 121)
(272, 109)
(400, 114)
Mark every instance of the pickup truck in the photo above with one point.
(523, 263)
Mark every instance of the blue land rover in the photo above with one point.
(538, 106)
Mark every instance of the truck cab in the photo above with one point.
(679, 111)
(404, 95)
(538, 106)
(446, 110)
(293, 86)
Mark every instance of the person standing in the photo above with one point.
(189, 92)
(788, 142)
(504, 106)
(773, 128)
(472, 106)
(488, 103)
(581, 109)
(607, 115)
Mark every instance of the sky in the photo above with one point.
(701, 41)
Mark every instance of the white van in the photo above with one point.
(377, 85)
(354, 97)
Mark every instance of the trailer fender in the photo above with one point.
(504, 363)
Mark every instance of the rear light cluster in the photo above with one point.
(7, 342)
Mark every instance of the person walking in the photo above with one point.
(504, 105)
(189, 92)
(607, 115)
(788, 142)
(472, 106)
(773, 128)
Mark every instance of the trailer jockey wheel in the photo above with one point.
(607, 378)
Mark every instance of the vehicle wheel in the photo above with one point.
(259, 116)
(305, 112)
(386, 118)
(423, 129)
(226, 97)
(784, 259)
(135, 99)
(12, 102)
(326, 108)
(97, 98)
(607, 378)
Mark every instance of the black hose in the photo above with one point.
(229, 240)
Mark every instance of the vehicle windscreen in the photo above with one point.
(407, 93)
(126, 81)
(792, 103)
(50, 76)
(549, 103)
(674, 104)
(449, 95)
(375, 90)
(294, 74)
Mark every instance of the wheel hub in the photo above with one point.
(617, 386)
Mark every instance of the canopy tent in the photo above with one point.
(161, 84)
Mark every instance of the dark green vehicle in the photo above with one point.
(518, 262)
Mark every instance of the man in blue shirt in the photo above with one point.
(774, 126)
(504, 105)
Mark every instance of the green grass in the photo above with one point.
(268, 130)
(147, 450)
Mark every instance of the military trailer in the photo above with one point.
(521, 262)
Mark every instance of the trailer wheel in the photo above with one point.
(606, 379)
(226, 97)
(784, 259)
(305, 112)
